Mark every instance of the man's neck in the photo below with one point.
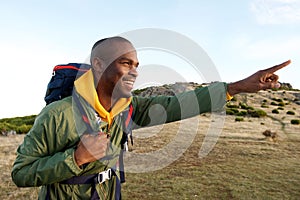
(106, 100)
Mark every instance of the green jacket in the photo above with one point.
(46, 156)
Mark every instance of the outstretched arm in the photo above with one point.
(261, 80)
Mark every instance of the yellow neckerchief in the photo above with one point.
(86, 88)
(228, 96)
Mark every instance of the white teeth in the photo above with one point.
(129, 82)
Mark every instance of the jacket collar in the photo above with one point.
(85, 87)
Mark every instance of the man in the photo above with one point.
(61, 156)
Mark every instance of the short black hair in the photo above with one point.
(98, 42)
(114, 38)
(110, 38)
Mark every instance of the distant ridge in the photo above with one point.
(178, 87)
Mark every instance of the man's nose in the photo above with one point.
(133, 71)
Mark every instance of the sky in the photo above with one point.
(240, 38)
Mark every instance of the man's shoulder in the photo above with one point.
(58, 107)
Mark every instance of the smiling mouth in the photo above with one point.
(129, 82)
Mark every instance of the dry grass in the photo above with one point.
(8, 190)
(244, 164)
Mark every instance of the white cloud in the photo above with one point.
(276, 11)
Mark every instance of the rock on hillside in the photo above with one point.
(168, 89)
(286, 86)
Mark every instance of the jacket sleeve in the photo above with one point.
(156, 110)
(46, 154)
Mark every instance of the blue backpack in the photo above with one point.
(62, 82)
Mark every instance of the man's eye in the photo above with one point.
(126, 63)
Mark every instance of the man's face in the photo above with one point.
(120, 75)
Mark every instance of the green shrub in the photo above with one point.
(18, 121)
(257, 113)
(229, 112)
(250, 108)
(232, 111)
(239, 119)
(233, 99)
(295, 121)
(242, 113)
(4, 126)
(265, 101)
(261, 113)
(23, 128)
(278, 100)
(138, 91)
(18, 124)
(232, 106)
(245, 106)
(274, 104)
(290, 112)
(282, 104)
(263, 105)
(275, 111)
(280, 108)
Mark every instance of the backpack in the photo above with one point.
(62, 82)
(61, 85)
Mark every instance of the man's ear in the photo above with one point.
(98, 65)
(98, 68)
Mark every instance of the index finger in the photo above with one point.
(278, 67)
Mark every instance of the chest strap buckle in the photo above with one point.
(104, 176)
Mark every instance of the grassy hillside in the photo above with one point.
(257, 155)
(17, 124)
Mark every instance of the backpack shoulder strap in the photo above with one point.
(83, 114)
(128, 122)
